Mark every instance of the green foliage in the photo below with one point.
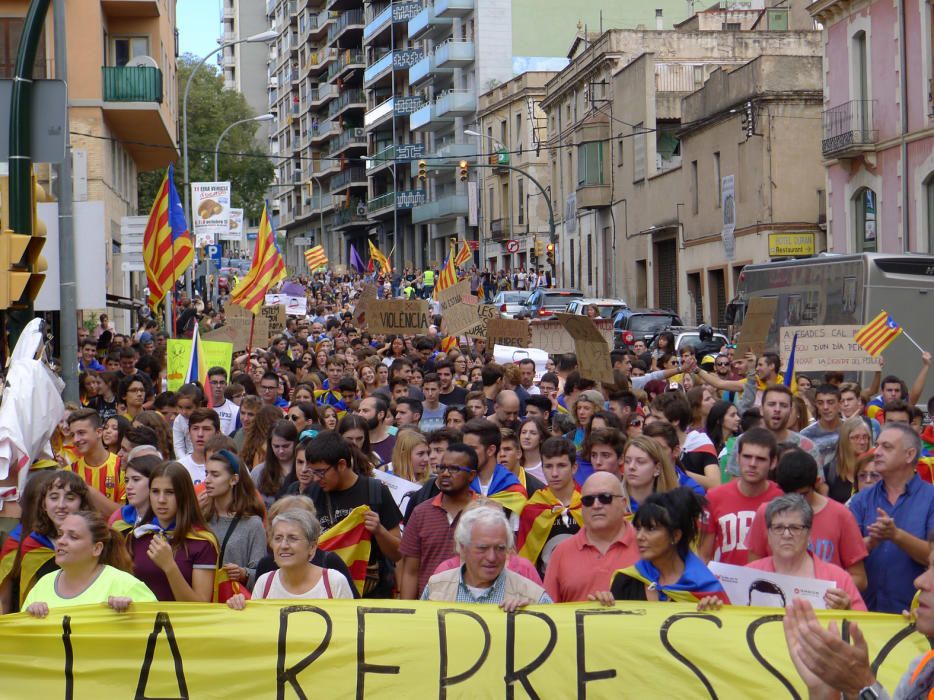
(211, 109)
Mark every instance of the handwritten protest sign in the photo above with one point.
(593, 353)
(826, 348)
(468, 317)
(367, 294)
(760, 312)
(276, 317)
(178, 354)
(372, 648)
(397, 316)
(452, 295)
(508, 331)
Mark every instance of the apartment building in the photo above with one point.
(244, 65)
(123, 104)
(617, 148)
(514, 216)
(878, 124)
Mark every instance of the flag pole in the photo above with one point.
(912, 340)
(249, 345)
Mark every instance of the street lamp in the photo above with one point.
(496, 143)
(262, 37)
(480, 237)
(269, 116)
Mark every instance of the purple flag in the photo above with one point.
(355, 260)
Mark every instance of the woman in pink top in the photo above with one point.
(788, 519)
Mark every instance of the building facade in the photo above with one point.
(878, 125)
(621, 179)
(244, 65)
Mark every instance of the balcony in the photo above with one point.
(383, 157)
(380, 22)
(423, 118)
(456, 152)
(442, 209)
(354, 214)
(427, 24)
(381, 204)
(321, 94)
(347, 60)
(379, 114)
(353, 137)
(497, 230)
(348, 99)
(350, 177)
(454, 53)
(593, 195)
(319, 59)
(321, 132)
(320, 203)
(130, 8)
(132, 103)
(456, 103)
(375, 70)
(453, 8)
(350, 22)
(321, 22)
(848, 130)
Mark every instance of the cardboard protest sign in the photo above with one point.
(397, 316)
(453, 295)
(367, 294)
(462, 317)
(593, 353)
(509, 331)
(826, 348)
(236, 328)
(178, 354)
(552, 337)
(276, 317)
(760, 313)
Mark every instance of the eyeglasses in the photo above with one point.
(296, 419)
(452, 468)
(319, 473)
(636, 424)
(604, 498)
(870, 476)
(793, 530)
(722, 364)
(265, 387)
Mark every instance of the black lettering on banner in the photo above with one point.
(751, 642)
(522, 674)
(445, 681)
(583, 675)
(890, 645)
(363, 667)
(162, 623)
(69, 658)
(290, 675)
(663, 635)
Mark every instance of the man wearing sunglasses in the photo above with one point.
(585, 563)
(428, 538)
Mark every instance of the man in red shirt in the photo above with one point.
(428, 538)
(585, 563)
(732, 507)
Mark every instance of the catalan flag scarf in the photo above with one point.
(505, 489)
(539, 516)
(351, 541)
(696, 582)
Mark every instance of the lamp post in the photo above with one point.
(498, 145)
(262, 37)
(269, 116)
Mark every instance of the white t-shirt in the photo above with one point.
(181, 440)
(228, 412)
(195, 470)
(339, 587)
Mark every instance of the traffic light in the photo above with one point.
(422, 170)
(749, 119)
(539, 248)
(550, 254)
(21, 261)
(462, 170)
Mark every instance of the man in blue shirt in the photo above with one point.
(896, 516)
(88, 361)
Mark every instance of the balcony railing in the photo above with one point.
(132, 84)
(346, 19)
(348, 97)
(380, 202)
(354, 213)
(848, 128)
(350, 136)
(345, 59)
(345, 177)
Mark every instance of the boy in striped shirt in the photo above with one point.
(99, 468)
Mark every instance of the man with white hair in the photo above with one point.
(483, 540)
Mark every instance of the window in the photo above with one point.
(866, 213)
(620, 142)
(860, 70)
(731, 26)
(698, 76)
(520, 217)
(695, 204)
(590, 163)
(126, 48)
(10, 30)
(518, 139)
(490, 212)
(503, 136)
(929, 204)
(718, 182)
(571, 258)
(589, 258)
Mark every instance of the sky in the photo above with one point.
(199, 25)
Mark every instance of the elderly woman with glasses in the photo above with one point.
(788, 519)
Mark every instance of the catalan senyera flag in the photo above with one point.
(539, 516)
(464, 255)
(167, 245)
(448, 275)
(448, 342)
(316, 257)
(268, 268)
(198, 366)
(34, 552)
(377, 255)
(351, 541)
(878, 334)
(505, 489)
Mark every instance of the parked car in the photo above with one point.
(607, 308)
(545, 302)
(511, 303)
(630, 325)
(690, 336)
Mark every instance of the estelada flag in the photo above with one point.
(35, 552)
(505, 489)
(448, 276)
(878, 334)
(539, 516)
(267, 268)
(316, 257)
(198, 367)
(351, 541)
(167, 246)
(696, 583)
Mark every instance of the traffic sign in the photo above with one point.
(213, 251)
(512, 246)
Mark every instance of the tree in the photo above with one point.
(211, 109)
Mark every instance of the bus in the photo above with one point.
(832, 289)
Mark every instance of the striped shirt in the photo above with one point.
(106, 478)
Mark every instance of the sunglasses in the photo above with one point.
(452, 468)
(604, 498)
(723, 364)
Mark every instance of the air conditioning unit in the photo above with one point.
(359, 131)
(361, 209)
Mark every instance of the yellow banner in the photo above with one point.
(178, 355)
(345, 649)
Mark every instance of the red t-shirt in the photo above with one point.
(729, 515)
(834, 536)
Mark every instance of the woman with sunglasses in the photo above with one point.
(666, 525)
(303, 414)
